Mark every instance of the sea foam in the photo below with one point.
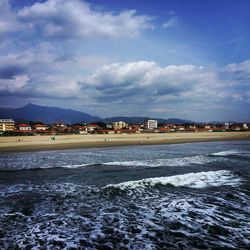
(227, 153)
(192, 180)
(184, 161)
(74, 166)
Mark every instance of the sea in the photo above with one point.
(179, 196)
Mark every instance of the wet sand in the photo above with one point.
(40, 143)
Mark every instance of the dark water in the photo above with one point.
(186, 196)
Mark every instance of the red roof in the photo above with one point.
(93, 125)
(164, 129)
(23, 125)
(80, 127)
(40, 126)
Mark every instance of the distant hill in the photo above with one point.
(46, 114)
(139, 119)
(32, 112)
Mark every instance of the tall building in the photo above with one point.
(7, 125)
(150, 124)
(227, 125)
(119, 125)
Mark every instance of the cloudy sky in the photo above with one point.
(164, 58)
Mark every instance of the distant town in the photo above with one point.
(10, 127)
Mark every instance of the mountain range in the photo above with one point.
(32, 112)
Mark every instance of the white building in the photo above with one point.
(40, 127)
(245, 126)
(150, 124)
(227, 125)
(24, 127)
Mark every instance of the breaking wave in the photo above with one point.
(191, 180)
(73, 166)
(184, 161)
(228, 153)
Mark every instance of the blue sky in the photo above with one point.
(172, 58)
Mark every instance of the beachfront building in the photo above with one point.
(59, 127)
(40, 127)
(135, 127)
(227, 125)
(24, 127)
(79, 129)
(180, 128)
(109, 126)
(245, 126)
(7, 125)
(119, 125)
(92, 127)
(150, 124)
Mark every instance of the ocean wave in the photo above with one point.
(184, 161)
(192, 180)
(228, 153)
(73, 166)
(59, 188)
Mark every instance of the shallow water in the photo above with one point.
(185, 196)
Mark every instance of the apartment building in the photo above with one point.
(119, 125)
(7, 125)
(150, 124)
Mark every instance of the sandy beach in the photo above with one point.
(39, 143)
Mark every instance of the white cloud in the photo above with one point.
(140, 86)
(239, 71)
(236, 67)
(15, 84)
(57, 87)
(146, 78)
(173, 21)
(76, 19)
(50, 72)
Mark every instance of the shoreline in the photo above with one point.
(64, 142)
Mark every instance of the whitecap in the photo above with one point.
(74, 166)
(192, 180)
(227, 153)
(184, 161)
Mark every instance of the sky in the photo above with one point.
(163, 58)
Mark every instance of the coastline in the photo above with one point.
(63, 142)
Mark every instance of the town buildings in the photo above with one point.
(9, 127)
